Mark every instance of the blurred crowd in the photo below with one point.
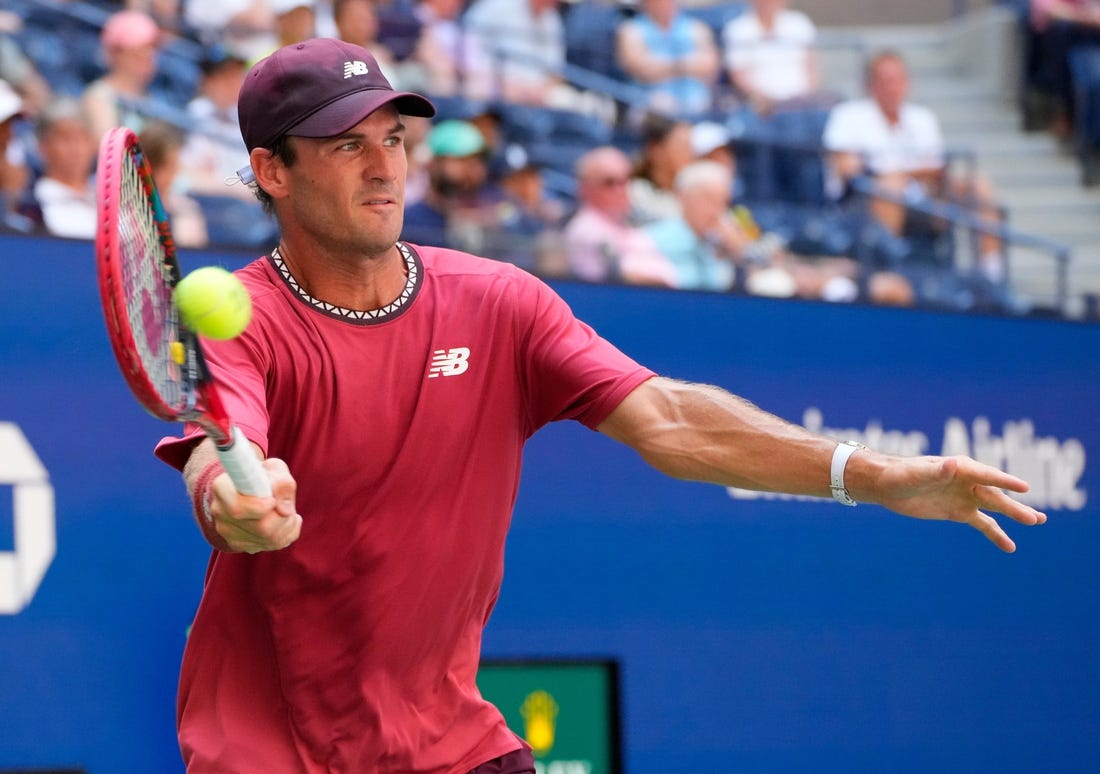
(689, 145)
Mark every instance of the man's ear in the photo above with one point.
(270, 172)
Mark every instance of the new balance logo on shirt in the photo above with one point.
(449, 362)
(355, 68)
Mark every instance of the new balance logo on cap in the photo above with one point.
(449, 362)
(355, 68)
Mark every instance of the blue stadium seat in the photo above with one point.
(590, 29)
(232, 222)
(798, 164)
(557, 155)
(1084, 65)
(716, 15)
(524, 124)
(569, 126)
(457, 107)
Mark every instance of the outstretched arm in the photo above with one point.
(704, 433)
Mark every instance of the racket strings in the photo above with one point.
(147, 283)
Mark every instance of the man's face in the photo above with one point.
(889, 84)
(358, 21)
(768, 7)
(661, 11)
(457, 175)
(604, 186)
(348, 192)
(68, 150)
(138, 62)
(704, 206)
(539, 6)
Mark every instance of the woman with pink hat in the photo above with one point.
(129, 42)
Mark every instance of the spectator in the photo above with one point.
(419, 155)
(18, 69)
(672, 55)
(601, 241)
(214, 150)
(527, 224)
(168, 15)
(705, 244)
(399, 26)
(246, 26)
(295, 21)
(831, 278)
(162, 144)
(899, 145)
(1057, 27)
(525, 40)
(65, 192)
(455, 61)
(770, 58)
(666, 149)
(357, 22)
(459, 207)
(710, 141)
(129, 42)
(14, 173)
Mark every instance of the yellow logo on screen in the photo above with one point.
(540, 717)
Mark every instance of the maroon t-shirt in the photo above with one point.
(356, 648)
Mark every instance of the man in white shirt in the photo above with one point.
(65, 193)
(769, 55)
(527, 38)
(900, 146)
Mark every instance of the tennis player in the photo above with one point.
(390, 388)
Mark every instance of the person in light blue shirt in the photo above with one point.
(703, 242)
(672, 55)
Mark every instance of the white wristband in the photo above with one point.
(843, 451)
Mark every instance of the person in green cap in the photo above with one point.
(459, 204)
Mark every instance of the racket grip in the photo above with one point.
(243, 466)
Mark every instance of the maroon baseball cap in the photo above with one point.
(316, 88)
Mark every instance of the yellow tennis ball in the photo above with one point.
(213, 303)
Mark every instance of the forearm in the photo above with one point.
(703, 433)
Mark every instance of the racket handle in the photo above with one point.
(243, 466)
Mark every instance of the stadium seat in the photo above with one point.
(556, 155)
(716, 15)
(524, 124)
(568, 126)
(234, 222)
(590, 29)
(1085, 69)
(457, 107)
(798, 164)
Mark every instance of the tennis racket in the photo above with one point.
(160, 358)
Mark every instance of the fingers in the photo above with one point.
(253, 524)
(996, 500)
(993, 532)
(988, 475)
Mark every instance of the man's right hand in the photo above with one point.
(250, 524)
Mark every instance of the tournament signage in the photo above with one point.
(568, 711)
(748, 632)
(23, 477)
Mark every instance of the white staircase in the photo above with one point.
(965, 71)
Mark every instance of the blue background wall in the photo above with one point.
(753, 634)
